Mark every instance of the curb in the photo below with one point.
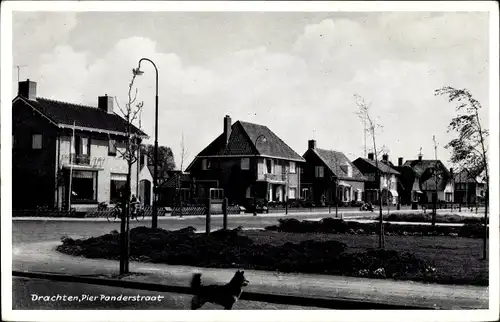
(337, 303)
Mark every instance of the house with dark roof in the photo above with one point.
(329, 177)
(408, 187)
(247, 160)
(177, 188)
(47, 160)
(388, 180)
(433, 177)
(468, 189)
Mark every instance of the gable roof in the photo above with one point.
(384, 168)
(242, 142)
(420, 166)
(63, 114)
(465, 177)
(334, 160)
(173, 180)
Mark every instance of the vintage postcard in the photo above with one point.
(185, 161)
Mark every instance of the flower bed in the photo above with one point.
(339, 226)
(233, 249)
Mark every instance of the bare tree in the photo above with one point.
(128, 152)
(184, 153)
(371, 126)
(469, 150)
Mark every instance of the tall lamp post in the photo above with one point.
(138, 71)
(257, 170)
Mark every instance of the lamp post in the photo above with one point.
(138, 71)
(257, 170)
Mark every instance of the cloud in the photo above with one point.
(297, 92)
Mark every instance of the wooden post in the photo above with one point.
(224, 213)
(207, 222)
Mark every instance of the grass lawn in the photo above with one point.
(454, 258)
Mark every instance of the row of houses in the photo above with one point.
(246, 163)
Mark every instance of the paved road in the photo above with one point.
(33, 294)
(46, 230)
(28, 231)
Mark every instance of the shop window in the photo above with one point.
(118, 183)
(84, 186)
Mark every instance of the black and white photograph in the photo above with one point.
(277, 157)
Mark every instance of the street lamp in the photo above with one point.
(256, 151)
(137, 71)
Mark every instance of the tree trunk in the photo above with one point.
(129, 192)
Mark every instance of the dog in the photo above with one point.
(224, 295)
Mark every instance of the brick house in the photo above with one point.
(42, 132)
(468, 189)
(408, 186)
(388, 180)
(327, 171)
(425, 170)
(247, 160)
(178, 187)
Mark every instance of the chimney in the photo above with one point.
(385, 157)
(400, 161)
(370, 156)
(227, 128)
(105, 103)
(311, 144)
(27, 89)
(420, 157)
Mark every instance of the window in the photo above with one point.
(205, 164)
(118, 182)
(320, 171)
(84, 186)
(245, 164)
(216, 193)
(112, 148)
(269, 165)
(292, 167)
(184, 193)
(291, 193)
(448, 196)
(36, 141)
(305, 193)
(349, 170)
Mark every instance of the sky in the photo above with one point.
(294, 72)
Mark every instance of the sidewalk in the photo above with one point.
(42, 257)
(350, 213)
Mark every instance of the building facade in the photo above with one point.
(468, 189)
(434, 178)
(58, 145)
(329, 177)
(388, 182)
(247, 163)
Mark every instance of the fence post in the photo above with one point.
(286, 205)
(207, 222)
(224, 214)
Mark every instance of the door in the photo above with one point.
(145, 192)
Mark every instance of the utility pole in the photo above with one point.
(435, 181)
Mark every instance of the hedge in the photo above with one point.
(339, 226)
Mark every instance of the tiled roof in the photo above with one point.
(420, 166)
(384, 168)
(424, 169)
(334, 159)
(173, 180)
(242, 142)
(83, 116)
(464, 177)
